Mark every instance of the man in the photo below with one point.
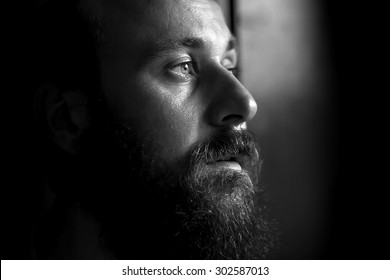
(151, 158)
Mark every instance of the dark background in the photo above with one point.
(357, 216)
(359, 212)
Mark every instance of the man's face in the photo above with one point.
(170, 138)
(169, 69)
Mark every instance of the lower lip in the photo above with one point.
(226, 165)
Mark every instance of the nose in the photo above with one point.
(231, 104)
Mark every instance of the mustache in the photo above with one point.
(225, 144)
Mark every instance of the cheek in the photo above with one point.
(175, 132)
(173, 124)
(167, 116)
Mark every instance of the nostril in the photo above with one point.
(232, 118)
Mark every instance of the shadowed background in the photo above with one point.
(317, 70)
(284, 65)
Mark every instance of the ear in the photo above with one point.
(64, 114)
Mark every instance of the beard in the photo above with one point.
(148, 210)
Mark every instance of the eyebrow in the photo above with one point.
(169, 45)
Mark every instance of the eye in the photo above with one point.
(234, 70)
(230, 63)
(183, 70)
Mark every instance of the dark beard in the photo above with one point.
(146, 210)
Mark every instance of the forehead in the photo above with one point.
(154, 21)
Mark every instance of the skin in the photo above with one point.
(183, 93)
